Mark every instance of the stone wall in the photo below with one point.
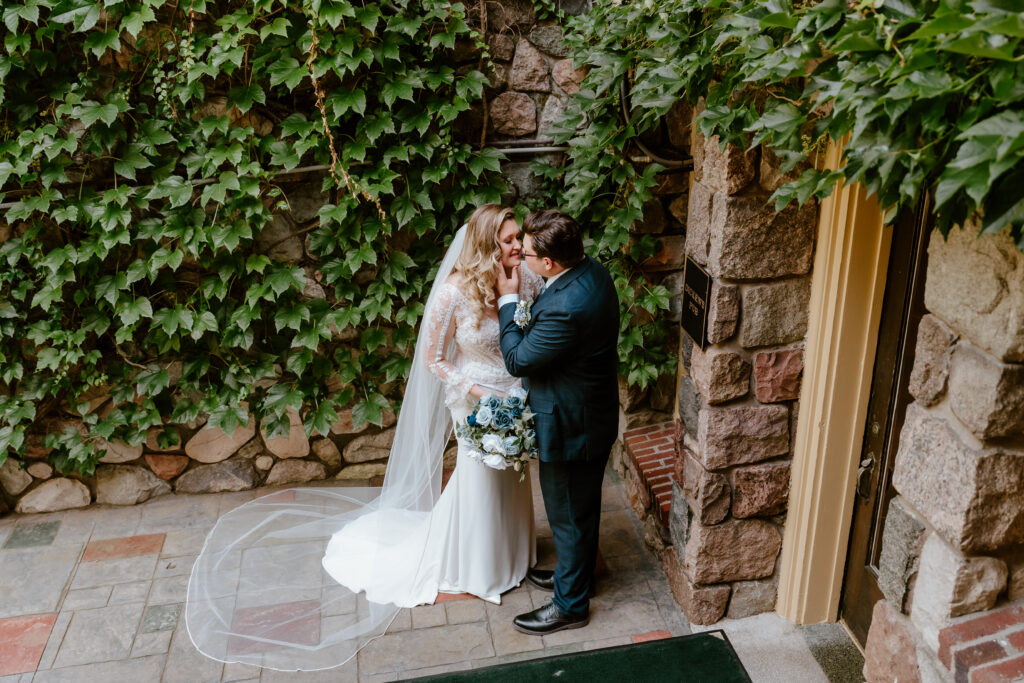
(737, 399)
(194, 459)
(953, 543)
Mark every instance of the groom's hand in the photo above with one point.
(504, 284)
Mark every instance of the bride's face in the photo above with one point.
(508, 240)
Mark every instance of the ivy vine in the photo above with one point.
(150, 159)
(145, 151)
(927, 97)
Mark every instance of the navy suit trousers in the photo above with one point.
(572, 499)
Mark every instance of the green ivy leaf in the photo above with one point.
(288, 71)
(371, 410)
(90, 112)
(244, 96)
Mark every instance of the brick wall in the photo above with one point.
(651, 461)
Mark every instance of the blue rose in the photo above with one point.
(484, 416)
(517, 413)
(503, 419)
(471, 420)
(491, 401)
(513, 402)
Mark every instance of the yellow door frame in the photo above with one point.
(847, 286)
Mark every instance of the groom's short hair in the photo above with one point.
(555, 236)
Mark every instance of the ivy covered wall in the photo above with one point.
(219, 222)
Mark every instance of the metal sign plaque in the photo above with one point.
(696, 294)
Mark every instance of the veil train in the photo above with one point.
(259, 593)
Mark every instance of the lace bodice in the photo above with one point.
(462, 353)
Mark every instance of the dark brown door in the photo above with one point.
(902, 308)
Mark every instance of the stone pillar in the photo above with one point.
(736, 399)
(953, 544)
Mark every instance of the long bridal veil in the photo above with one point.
(259, 594)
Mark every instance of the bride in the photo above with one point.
(303, 578)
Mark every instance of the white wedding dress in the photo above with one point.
(301, 579)
(479, 537)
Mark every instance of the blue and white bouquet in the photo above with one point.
(499, 433)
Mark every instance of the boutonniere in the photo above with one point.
(522, 314)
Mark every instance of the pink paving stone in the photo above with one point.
(297, 622)
(451, 597)
(116, 548)
(653, 635)
(22, 640)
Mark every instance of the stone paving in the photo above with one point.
(97, 595)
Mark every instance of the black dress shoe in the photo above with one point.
(541, 578)
(544, 579)
(547, 619)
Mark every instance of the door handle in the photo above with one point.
(867, 466)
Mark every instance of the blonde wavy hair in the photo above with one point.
(481, 252)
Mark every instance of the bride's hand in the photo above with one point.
(505, 284)
(478, 392)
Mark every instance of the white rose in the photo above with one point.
(518, 392)
(496, 462)
(492, 443)
(484, 416)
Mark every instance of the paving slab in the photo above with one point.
(22, 641)
(169, 589)
(160, 618)
(185, 664)
(155, 643)
(114, 522)
(129, 546)
(507, 640)
(24, 589)
(32, 535)
(174, 566)
(123, 601)
(185, 541)
(110, 572)
(171, 513)
(771, 649)
(60, 627)
(427, 647)
(425, 616)
(133, 591)
(86, 598)
(121, 671)
(346, 673)
(99, 635)
(465, 611)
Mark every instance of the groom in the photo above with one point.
(567, 354)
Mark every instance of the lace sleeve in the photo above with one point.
(530, 282)
(441, 324)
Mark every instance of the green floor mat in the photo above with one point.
(695, 658)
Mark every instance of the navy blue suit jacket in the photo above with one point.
(568, 359)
